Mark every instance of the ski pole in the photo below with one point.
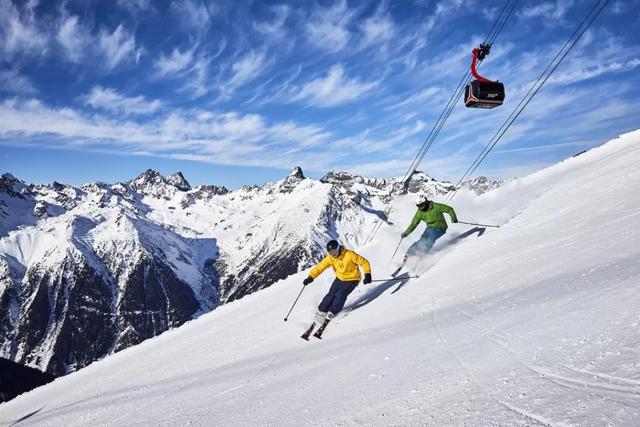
(481, 225)
(294, 304)
(396, 251)
(394, 278)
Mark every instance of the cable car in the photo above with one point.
(482, 92)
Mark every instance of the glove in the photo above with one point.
(308, 280)
(403, 235)
(367, 278)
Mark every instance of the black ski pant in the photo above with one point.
(335, 299)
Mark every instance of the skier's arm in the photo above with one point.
(451, 212)
(362, 262)
(320, 267)
(413, 225)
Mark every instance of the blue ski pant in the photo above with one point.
(426, 241)
(337, 296)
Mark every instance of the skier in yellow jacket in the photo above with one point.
(345, 264)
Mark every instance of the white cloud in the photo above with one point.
(74, 38)
(327, 28)
(228, 138)
(588, 71)
(443, 9)
(274, 29)
(549, 10)
(12, 81)
(334, 89)
(197, 77)
(117, 46)
(109, 99)
(385, 168)
(245, 70)
(429, 95)
(194, 15)
(176, 62)
(19, 32)
(377, 29)
(135, 6)
(191, 67)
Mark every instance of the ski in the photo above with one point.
(307, 333)
(319, 332)
(397, 271)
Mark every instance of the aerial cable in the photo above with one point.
(533, 90)
(495, 30)
(491, 36)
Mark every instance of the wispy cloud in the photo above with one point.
(549, 10)
(111, 100)
(196, 80)
(443, 10)
(274, 29)
(74, 38)
(246, 69)
(176, 62)
(228, 138)
(589, 71)
(333, 89)
(135, 6)
(118, 46)
(377, 29)
(19, 32)
(328, 28)
(540, 148)
(425, 96)
(194, 15)
(11, 81)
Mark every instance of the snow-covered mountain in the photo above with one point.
(533, 323)
(85, 272)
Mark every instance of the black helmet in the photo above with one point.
(333, 245)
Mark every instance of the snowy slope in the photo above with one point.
(535, 323)
(85, 272)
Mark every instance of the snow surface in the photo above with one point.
(534, 323)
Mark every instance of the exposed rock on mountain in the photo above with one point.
(88, 271)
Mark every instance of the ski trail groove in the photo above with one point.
(559, 380)
(522, 413)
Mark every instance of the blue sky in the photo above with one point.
(237, 93)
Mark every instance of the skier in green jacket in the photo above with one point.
(432, 214)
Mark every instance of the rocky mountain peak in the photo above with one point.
(340, 177)
(293, 179)
(148, 177)
(13, 186)
(296, 173)
(179, 181)
(152, 183)
(481, 184)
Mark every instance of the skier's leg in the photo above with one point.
(426, 241)
(341, 297)
(435, 234)
(328, 298)
(421, 245)
(319, 317)
(345, 288)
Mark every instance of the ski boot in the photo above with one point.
(404, 262)
(319, 332)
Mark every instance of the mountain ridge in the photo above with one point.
(115, 264)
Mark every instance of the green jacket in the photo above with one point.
(433, 217)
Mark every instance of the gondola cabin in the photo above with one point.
(480, 94)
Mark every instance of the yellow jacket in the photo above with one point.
(345, 265)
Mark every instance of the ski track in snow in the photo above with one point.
(535, 323)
